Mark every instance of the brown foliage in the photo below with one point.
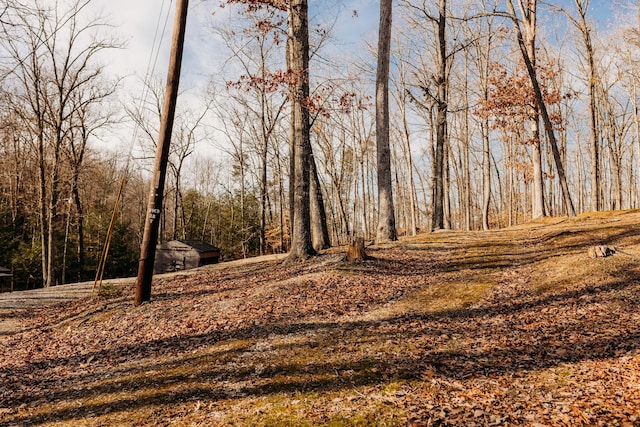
(254, 5)
(512, 98)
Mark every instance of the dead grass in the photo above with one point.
(511, 327)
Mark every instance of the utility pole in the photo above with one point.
(150, 238)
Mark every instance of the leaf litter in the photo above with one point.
(390, 341)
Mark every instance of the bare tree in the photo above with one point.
(185, 137)
(386, 217)
(234, 126)
(89, 116)
(403, 99)
(437, 219)
(438, 99)
(581, 23)
(527, 40)
(258, 88)
(55, 53)
(481, 59)
(298, 45)
(526, 44)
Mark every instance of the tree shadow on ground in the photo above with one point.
(511, 333)
(497, 340)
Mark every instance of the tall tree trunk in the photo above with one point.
(51, 218)
(176, 206)
(319, 230)
(543, 108)
(582, 7)
(281, 198)
(466, 173)
(486, 174)
(483, 64)
(446, 203)
(594, 175)
(243, 198)
(510, 180)
(386, 230)
(63, 279)
(263, 196)
(265, 133)
(292, 133)
(537, 195)
(413, 224)
(42, 195)
(616, 167)
(592, 75)
(301, 245)
(437, 219)
(75, 194)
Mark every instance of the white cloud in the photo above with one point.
(137, 23)
(145, 26)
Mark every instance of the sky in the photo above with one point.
(136, 22)
(145, 26)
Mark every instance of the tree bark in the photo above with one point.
(386, 230)
(486, 174)
(537, 193)
(263, 193)
(528, 10)
(356, 251)
(319, 230)
(446, 193)
(466, 140)
(80, 224)
(412, 186)
(483, 55)
(301, 245)
(437, 219)
(292, 133)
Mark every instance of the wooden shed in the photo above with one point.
(5, 277)
(179, 255)
(5, 272)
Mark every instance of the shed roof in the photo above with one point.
(197, 245)
(5, 272)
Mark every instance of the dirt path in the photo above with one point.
(14, 304)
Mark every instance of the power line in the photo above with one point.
(151, 66)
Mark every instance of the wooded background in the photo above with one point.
(472, 143)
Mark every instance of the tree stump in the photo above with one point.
(600, 251)
(355, 250)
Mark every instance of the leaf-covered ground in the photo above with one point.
(512, 327)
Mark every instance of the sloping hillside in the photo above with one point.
(510, 327)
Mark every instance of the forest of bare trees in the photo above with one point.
(457, 115)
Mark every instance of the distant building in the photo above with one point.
(179, 255)
(5, 275)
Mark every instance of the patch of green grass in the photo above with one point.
(102, 317)
(570, 271)
(456, 294)
(108, 290)
(351, 408)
